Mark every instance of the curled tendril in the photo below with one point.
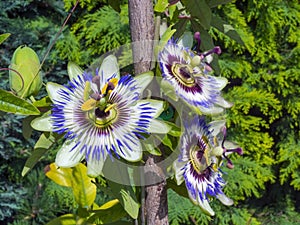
(20, 75)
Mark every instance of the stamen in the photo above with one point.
(215, 50)
(110, 107)
(236, 150)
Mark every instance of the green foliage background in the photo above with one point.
(264, 76)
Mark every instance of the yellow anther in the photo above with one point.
(89, 104)
(109, 107)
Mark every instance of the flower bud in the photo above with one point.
(28, 80)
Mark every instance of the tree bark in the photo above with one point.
(141, 17)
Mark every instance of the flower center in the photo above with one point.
(184, 74)
(199, 156)
(103, 117)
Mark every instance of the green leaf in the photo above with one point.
(68, 219)
(44, 143)
(215, 3)
(115, 4)
(161, 6)
(226, 29)
(13, 104)
(109, 213)
(26, 128)
(61, 176)
(127, 198)
(44, 102)
(200, 10)
(180, 28)
(3, 37)
(83, 187)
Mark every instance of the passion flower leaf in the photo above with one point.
(200, 10)
(61, 176)
(109, 213)
(44, 143)
(13, 104)
(127, 198)
(83, 187)
(3, 37)
(67, 219)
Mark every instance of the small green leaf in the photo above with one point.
(109, 213)
(13, 104)
(215, 3)
(226, 29)
(68, 219)
(44, 102)
(83, 188)
(115, 4)
(61, 176)
(3, 37)
(26, 128)
(127, 198)
(44, 143)
(161, 6)
(180, 27)
(200, 10)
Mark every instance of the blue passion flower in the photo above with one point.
(102, 115)
(189, 74)
(201, 155)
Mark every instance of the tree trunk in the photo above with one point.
(142, 30)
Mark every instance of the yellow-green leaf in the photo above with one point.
(68, 219)
(83, 188)
(13, 104)
(61, 176)
(3, 37)
(108, 214)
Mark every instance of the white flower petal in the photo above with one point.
(73, 70)
(109, 69)
(42, 123)
(52, 89)
(221, 82)
(178, 167)
(224, 199)
(158, 127)
(157, 105)
(222, 102)
(95, 166)
(68, 155)
(205, 206)
(215, 127)
(144, 79)
(132, 154)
